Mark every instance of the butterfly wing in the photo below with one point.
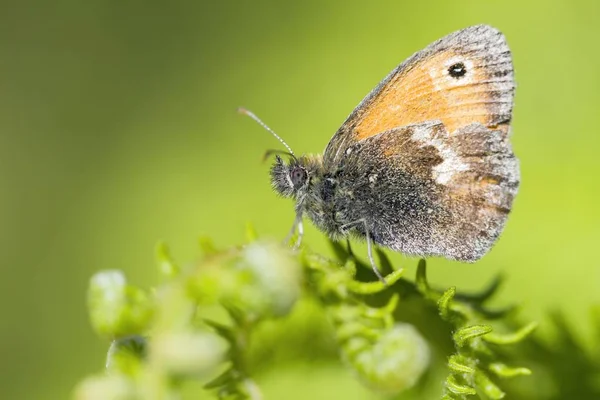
(463, 78)
(425, 191)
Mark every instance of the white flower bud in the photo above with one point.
(189, 353)
(395, 362)
(105, 387)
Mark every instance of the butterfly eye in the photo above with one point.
(457, 70)
(298, 176)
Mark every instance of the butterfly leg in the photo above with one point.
(300, 233)
(350, 252)
(344, 230)
(297, 224)
(371, 258)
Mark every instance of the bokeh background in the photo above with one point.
(118, 128)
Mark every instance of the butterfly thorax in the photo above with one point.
(320, 206)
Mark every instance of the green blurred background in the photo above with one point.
(118, 128)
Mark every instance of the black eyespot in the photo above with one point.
(457, 70)
(298, 176)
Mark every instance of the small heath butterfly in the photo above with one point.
(423, 165)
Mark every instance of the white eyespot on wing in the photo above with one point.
(442, 79)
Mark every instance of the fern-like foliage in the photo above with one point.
(476, 359)
(476, 364)
(164, 337)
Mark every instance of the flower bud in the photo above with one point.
(262, 280)
(395, 361)
(126, 354)
(189, 353)
(116, 308)
(105, 387)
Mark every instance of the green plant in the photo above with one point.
(198, 324)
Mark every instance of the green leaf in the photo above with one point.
(453, 386)
(384, 261)
(485, 294)
(166, 266)
(375, 286)
(444, 302)
(463, 335)
(126, 355)
(227, 332)
(505, 371)
(421, 281)
(207, 246)
(457, 364)
(223, 379)
(251, 234)
(510, 338)
(488, 387)
(340, 252)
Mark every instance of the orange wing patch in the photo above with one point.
(465, 78)
(427, 91)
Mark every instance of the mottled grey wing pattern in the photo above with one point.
(425, 158)
(423, 89)
(423, 191)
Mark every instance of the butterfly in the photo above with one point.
(423, 165)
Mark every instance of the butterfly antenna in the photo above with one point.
(254, 117)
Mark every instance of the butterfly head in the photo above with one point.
(291, 178)
(288, 179)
